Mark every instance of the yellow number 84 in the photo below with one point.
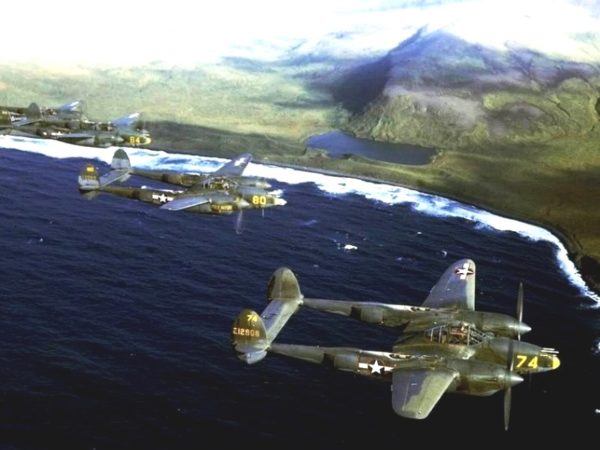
(259, 200)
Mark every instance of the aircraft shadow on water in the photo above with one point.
(224, 191)
(67, 123)
(445, 346)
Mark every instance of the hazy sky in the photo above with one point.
(183, 31)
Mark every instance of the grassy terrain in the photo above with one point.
(274, 102)
(533, 154)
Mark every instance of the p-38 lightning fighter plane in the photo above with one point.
(229, 173)
(198, 198)
(79, 131)
(72, 111)
(451, 355)
(228, 177)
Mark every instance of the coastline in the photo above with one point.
(587, 266)
(195, 140)
(199, 140)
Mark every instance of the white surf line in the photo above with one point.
(429, 204)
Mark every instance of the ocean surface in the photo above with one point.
(116, 316)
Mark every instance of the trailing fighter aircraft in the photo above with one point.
(197, 198)
(123, 131)
(451, 355)
(67, 112)
(230, 173)
(68, 124)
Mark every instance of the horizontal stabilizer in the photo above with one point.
(249, 336)
(185, 203)
(113, 176)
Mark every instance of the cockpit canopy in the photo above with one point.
(455, 333)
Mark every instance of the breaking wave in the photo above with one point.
(432, 205)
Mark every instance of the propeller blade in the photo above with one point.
(507, 401)
(239, 222)
(508, 390)
(511, 355)
(520, 308)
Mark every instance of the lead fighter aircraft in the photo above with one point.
(446, 346)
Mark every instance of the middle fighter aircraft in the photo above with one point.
(232, 172)
(217, 196)
(446, 346)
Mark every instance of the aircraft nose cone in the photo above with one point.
(555, 362)
(523, 328)
(279, 201)
(243, 203)
(513, 379)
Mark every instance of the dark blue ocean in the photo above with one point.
(115, 320)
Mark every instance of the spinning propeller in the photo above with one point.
(520, 309)
(508, 389)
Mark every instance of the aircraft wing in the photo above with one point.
(184, 203)
(25, 121)
(67, 137)
(235, 167)
(76, 106)
(127, 121)
(455, 288)
(416, 391)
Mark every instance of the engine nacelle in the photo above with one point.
(371, 315)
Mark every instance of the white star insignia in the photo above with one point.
(162, 198)
(464, 271)
(375, 367)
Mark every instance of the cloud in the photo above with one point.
(183, 32)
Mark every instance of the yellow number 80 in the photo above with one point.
(259, 200)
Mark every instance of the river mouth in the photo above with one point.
(339, 144)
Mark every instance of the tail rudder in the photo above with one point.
(284, 285)
(88, 179)
(253, 334)
(249, 337)
(33, 111)
(5, 118)
(120, 161)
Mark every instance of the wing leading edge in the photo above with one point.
(185, 202)
(235, 167)
(416, 391)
